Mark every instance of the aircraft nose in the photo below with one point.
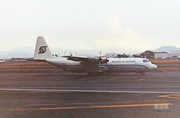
(153, 66)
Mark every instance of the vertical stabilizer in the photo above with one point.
(42, 51)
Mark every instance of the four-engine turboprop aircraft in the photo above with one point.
(91, 65)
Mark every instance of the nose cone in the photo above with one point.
(153, 66)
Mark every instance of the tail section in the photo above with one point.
(42, 51)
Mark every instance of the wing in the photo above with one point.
(87, 60)
(74, 58)
(93, 65)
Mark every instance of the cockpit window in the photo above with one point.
(145, 60)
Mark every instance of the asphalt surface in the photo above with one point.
(69, 95)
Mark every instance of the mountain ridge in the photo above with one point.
(168, 48)
(28, 52)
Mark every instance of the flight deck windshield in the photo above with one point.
(145, 60)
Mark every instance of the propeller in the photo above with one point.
(102, 61)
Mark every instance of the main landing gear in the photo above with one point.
(142, 73)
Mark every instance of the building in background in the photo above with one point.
(157, 54)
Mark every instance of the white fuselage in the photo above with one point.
(129, 65)
(113, 65)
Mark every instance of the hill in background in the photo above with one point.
(28, 52)
(168, 48)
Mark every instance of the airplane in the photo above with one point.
(92, 66)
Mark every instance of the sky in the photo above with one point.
(123, 26)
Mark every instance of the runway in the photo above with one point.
(69, 95)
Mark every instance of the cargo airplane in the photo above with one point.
(89, 65)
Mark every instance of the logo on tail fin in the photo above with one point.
(42, 49)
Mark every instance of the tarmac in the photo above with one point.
(54, 94)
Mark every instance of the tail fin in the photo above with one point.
(42, 51)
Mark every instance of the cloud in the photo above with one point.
(114, 25)
(117, 37)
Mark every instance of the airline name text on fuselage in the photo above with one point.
(123, 61)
